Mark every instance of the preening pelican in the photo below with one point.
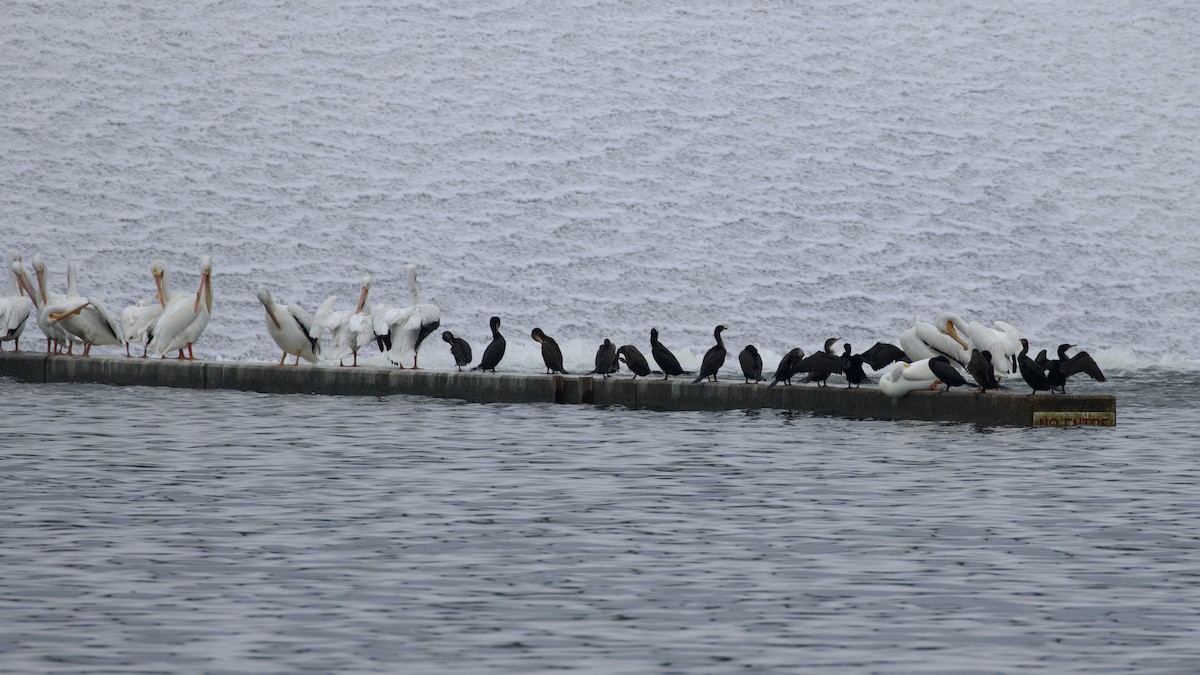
(925, 341)
(85, 317)
(906, 377)
(401, 331)
(185, 317)
(137, 321)
(294, 329)
(55, 333)
(349, 330)
(15, 305)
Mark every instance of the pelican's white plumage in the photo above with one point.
(294, 329)
(15, 305)
(925, 341)
(185, 316)
(406, 328)
(137, 321)
(55, 333)
(349, 330)
(84, 317)
(907, 377)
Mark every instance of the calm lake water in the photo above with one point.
(158, 530)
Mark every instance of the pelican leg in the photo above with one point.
(297, 358)
(354, 360)
(70, 348)
(87, 348)
(180, 355)
(144, 348)
(283, 358)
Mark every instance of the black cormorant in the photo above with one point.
(459, 349)
(1034, 376)
(551, 354)
(945, 372)
(714, 358)
(788, 367)
(822, 364)
(1065, 366)
(495, 349)
(606, 359)
(980, 368)
(751, 363)
(634, 360)
(663, 357)
(882, 354)
(852, 368)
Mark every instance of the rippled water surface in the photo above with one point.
(171, 531)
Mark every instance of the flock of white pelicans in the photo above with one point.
(930, 354)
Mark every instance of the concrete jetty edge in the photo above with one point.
(992, 409)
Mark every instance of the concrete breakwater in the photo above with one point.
(991, 409)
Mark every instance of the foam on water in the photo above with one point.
(794, 172)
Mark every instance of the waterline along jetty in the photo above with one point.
(991, 409)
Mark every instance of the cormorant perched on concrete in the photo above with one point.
(882, 354)
(634, 360)
(714, 358)
(495, 349)
(980, 368)
(946, 373)
(788, 367)
(459, 349)
(822, 364)
(663, 357)
(1058, 370)
(606, 359)
(551, 354)
(852, 368)
(751, 363)
(1034, 376)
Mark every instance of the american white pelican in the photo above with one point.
(1003, 342)
(925, 341)
(350, 331)
(185, 317)
(138, 320)
(401, 331)
(294, 329)
(54, 332)
(15, 305)
(906, 377)
(84, 317)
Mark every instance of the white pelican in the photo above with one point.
(85, 318)
(925, 341)
(15, 307)
(54, 332)
(137, 321)
(401, 331)
(906, 377)
(1003, 342)
(185, 317)
(295, 331)
(350, 330)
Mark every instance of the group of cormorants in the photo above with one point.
(1040, 372)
